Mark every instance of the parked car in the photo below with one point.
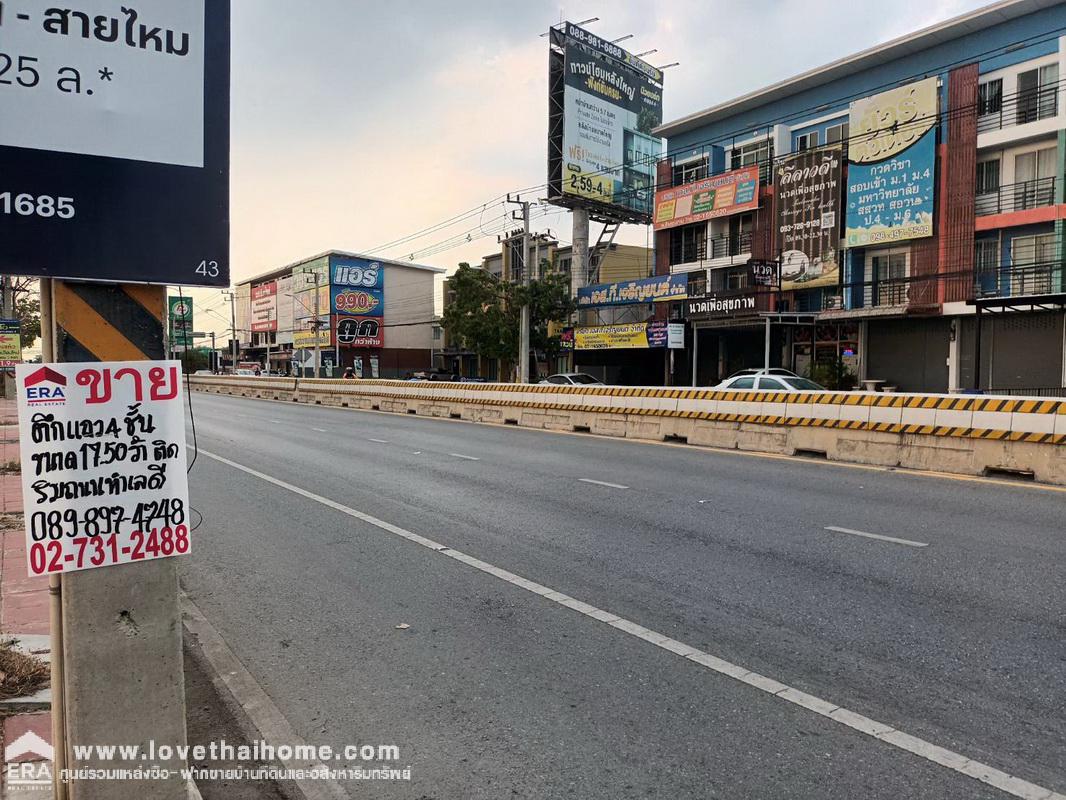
(768, 381)
(573, 379)
(763, 371)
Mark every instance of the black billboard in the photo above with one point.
(809, 186)
(604, 104)
(114, 141)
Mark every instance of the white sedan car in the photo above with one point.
(770, 383)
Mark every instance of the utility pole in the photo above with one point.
(214, 354)
(523, 333)
(266, 336)
(233, 328)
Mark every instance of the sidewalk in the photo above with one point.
(23, 606)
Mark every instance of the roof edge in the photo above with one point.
(849, 63)
(280, 271)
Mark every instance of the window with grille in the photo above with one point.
(1038, 94)
(806, 141)
(890, 279)
(990, 97)
(986, 266)
(754, 153)
(1032, 259)
(689, 171)
(988, 177)
(688, 243)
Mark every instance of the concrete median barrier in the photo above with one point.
(966, 434)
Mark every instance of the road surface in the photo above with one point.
(929, 605)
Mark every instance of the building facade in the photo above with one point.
(612, 263)
(343, 309)
(894, 216)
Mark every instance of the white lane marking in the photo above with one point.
(379, 441)
(603, 483)
(460, 455)
(275, 422)
(878, 536)
(416, 452)
(857, 722)
(320, 430)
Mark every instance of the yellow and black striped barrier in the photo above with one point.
(108, 322)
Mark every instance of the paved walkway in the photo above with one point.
(23, 606)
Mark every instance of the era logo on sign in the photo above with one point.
(348, 275)
(45, 387)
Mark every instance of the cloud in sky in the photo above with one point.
(356, 123)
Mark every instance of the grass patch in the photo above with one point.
(20, 673)
(12, 467)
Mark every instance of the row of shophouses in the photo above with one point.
(338, 310)
(896, 215)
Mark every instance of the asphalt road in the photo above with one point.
(494, 691)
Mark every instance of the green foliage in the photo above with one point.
(834, 375)
(28, 312)
(483, 314)
(476, 314)
(192, 360)
(549, 301)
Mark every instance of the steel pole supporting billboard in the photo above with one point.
(579, 263)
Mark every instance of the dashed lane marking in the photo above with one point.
(878, 536)
(603, 483)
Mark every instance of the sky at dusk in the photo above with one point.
(355, 124)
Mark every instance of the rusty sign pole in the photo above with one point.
(123, 679)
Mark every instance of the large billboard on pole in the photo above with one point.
(808, 217)
(604, 104)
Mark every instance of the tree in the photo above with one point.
(28, 313)
(483, 314)
(477, 316)
(549, 301)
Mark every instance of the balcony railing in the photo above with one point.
(1020, 280)
(679, 177)
(705, 248)
(1020, 109)
(1016, 197)
(915, 292)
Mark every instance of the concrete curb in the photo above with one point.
(270, 723)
